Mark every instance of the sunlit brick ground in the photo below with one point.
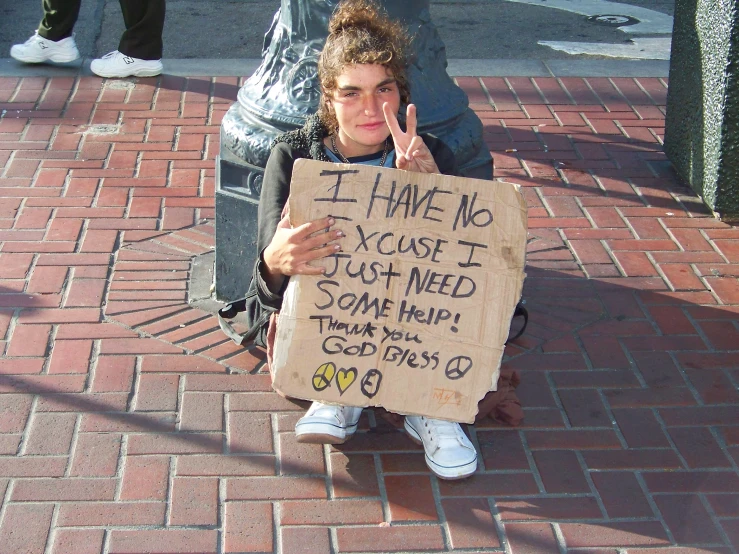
(129, 424)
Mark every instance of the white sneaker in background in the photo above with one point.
(116, 64)
(326, 424)
(37, 49)
(449, 453)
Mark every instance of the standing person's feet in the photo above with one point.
(449, 453)
(327, 424)
(116, 64)
(37, 49)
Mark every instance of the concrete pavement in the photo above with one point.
(129, 424)
(477, 29)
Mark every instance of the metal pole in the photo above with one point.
(285, 90)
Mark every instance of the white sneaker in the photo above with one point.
(325, 424)
(115, 64)
(449, 453)
(37, 49)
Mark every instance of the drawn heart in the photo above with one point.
(345, 378)
(323, 376)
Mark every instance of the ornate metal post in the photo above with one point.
(285, 90)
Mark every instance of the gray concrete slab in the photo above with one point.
(214, 68)
(456, 68)
(497, 68)
(609, 68)
(179, 68)
(228, 29)
(505, 30)
(12, 68)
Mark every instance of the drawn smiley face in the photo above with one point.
(371, 383)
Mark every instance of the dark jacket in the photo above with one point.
(306, 142)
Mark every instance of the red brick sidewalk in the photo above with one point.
(128, 424)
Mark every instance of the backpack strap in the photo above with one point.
(232, 310)
(520, 311)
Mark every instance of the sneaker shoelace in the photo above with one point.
(35, 38)
(442, 432)
(345, 410)
(316, 407)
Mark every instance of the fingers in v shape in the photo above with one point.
(410, 120)
(392, 122)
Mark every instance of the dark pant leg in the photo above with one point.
(144, 21)
(59, 18)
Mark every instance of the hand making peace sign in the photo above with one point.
(411, 153)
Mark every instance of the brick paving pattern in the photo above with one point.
(129, 424)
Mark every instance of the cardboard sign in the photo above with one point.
(413, 312)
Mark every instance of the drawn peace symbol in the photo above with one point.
(323, 376)
(457, 367)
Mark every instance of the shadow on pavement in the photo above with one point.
(595, 350)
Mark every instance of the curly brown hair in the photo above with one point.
(360, 32)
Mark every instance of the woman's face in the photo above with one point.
(357, 100)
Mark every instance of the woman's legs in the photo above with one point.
(144, 21)
(140, 48)
(53, 40)
(59, 19)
